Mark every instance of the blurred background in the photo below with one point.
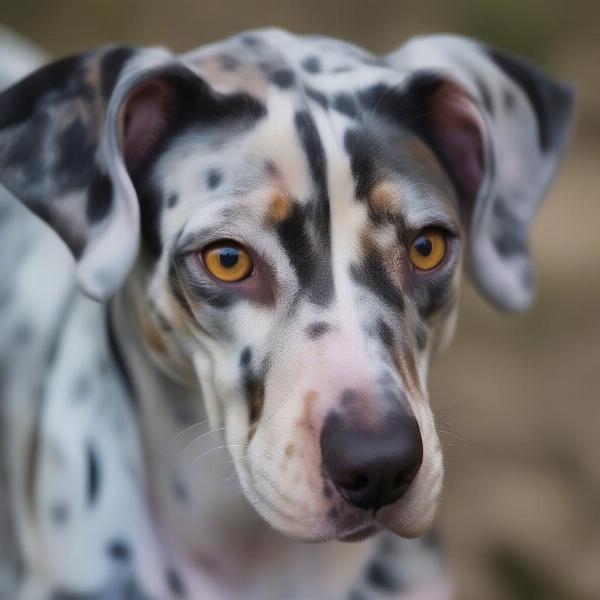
(521, 511)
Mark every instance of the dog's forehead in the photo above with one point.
(315, 65)
(319, 95)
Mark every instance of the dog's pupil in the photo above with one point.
(229, 257)
(423, 246)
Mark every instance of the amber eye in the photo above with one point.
(428, 249)
(227, 261)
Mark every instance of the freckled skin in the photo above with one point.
(320, 160)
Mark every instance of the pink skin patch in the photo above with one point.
(145, 120)
(458, 131)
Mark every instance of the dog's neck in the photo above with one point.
(197, 501)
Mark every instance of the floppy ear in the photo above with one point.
(500, 128)
(70, 134)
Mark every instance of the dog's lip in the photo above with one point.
(359, 535)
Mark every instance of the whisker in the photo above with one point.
(197, 439)
(214, 450)
(454, 434)
(183, 431)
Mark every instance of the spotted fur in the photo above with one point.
(119, 417)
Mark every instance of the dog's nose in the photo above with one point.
(372, 467)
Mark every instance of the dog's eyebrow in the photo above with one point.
(188, 242)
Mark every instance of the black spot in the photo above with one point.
(551, 101)
(151, 202)
(93, 475)
(214, 178)
(511, 243)
(510, 236)
(371, 274)
(342, 69)
(436, 294)
(349, 397)
(100, 197)
(18, 103)
(283, 78)
(310, 261)
(119, 550)
(360, 147)
(59, 513)
(175, 583)
(111, 67)
(421, 335)
(207, 291)
(382, 578)
(305, 233)
(75, 163)
(509, 100)
(386, 335)
(313, 148)
(317, 97)
(317, 329)
(250, 40)
(311, 64)
(172, 200)
(254, 387)
(486, 96)
(228, 62)
(180, 491)
(346, 104)
(245, 357)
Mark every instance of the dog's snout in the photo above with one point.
(372, 467)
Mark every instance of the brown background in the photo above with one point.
(521, 512)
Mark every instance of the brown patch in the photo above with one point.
(393, 258)
(405, 364)
(279, 209)
(153, 337)
(255, 397)
(255, 391)
(290, 450)
(381, 200)
(306, 420)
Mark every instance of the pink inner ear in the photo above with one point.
(458, 129)
(144, 121)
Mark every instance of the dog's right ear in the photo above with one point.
(72, 133)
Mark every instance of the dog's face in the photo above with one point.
(304, 213)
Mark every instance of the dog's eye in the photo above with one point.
(428, 249)
(227, 261)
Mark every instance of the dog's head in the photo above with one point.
(300, 210)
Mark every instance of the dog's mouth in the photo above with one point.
(360, 535)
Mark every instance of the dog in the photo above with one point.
(244, 259)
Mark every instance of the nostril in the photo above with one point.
(359, 482)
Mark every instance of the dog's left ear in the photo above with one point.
(500, 127)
